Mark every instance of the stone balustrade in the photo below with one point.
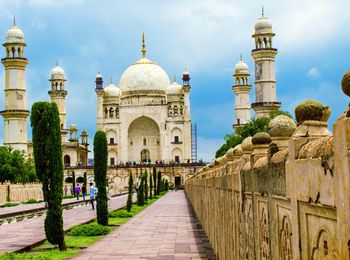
(280, 196)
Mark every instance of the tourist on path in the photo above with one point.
(65, 190)
(83, 191)
(92, 195)
(77, 191)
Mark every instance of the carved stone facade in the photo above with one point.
(289, 194)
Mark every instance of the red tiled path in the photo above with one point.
(18, 235)
(168, 229)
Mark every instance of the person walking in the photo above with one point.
(83, 191)
(65, 190)
(92, 195)
(77, 191)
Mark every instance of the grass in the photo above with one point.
(31, 201)
(77, 243)
(9, 204)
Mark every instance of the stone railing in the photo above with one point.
(282, 195)
(20, 192)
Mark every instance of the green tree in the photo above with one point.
(230, 141)
(155, 181)
(14, 167)
(129, 201)
(145, 182)
(159, 178)
(140, 191)
(150, 185)
(47, 149)
(73, 182)
(85, 179)
(100, 170)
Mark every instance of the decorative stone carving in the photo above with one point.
(281, 126)
(312, 110)
(285, 240)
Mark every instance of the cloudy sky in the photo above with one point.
(207, 37)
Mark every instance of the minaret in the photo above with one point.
(242, 91)
(264, 56)
(15, 113)
(187, 135)
(58, 95)
(99, 92)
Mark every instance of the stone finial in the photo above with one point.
(247, 145)
(345, 83)
(261, 138)
(312, 110)
(282, 126)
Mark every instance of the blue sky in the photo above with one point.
(207, 37)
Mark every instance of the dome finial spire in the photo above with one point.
(111, 80)
(14, 21)
(143, 50)
(240, 58)
(262, 11)
(56, 62)
(174, 77)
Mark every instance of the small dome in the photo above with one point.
(99, 76)
(112, 91)
(263, 25)
(185, 72)
(247, 144)
(241, 68)
(57, 73)
(73, 127)
(261, 138)
(144, 75)
(174, 89)
(282, 126)
(14, 35)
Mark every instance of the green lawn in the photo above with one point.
(77, 243)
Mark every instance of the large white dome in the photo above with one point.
(144, 75)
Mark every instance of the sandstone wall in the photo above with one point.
(287, 197)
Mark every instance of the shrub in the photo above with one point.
(120, 214)
(129, 201)
(89, 230)
(31, 201)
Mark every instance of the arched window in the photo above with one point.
(106, 112)
(176, 110)
(111, 112)
(265, 43)
(80, 179)
(13, 50)
(259, 43)
(56, 86)
(61, 86)
(117, 112)
(144, 141)
(66, 160)
(19, 52)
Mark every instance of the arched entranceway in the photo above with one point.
(145, 155)
(66, 160)
(143, 140)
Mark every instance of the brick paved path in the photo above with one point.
(16, 236)
(167, 229)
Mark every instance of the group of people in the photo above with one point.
(82, 189)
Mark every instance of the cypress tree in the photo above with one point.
(46, 134)
(145, 182)
(159, 179)
(140, 192)
(100, 170)
(85, 179)
(129, 202)
(166, 185)
(155, 181)
(150, 185)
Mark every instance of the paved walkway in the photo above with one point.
(167, 229)
(16, 236)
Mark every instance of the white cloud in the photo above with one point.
(313, 72)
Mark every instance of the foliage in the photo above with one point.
(14, 167)
(89, 230)
(230, 141)
(31, 201)
(122, 213)
(249, 129)
(145, 182)
(154, 181)
(159, 178)
(9, 204)
(140, 192)
(47, 149)
(129, 201)
(73, 183)
(85, 179)
(100, 170)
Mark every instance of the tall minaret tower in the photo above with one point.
(58, 95)
(186, 86)
(242, 91)
(15, 113)
(99, 92)
(264, 56)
